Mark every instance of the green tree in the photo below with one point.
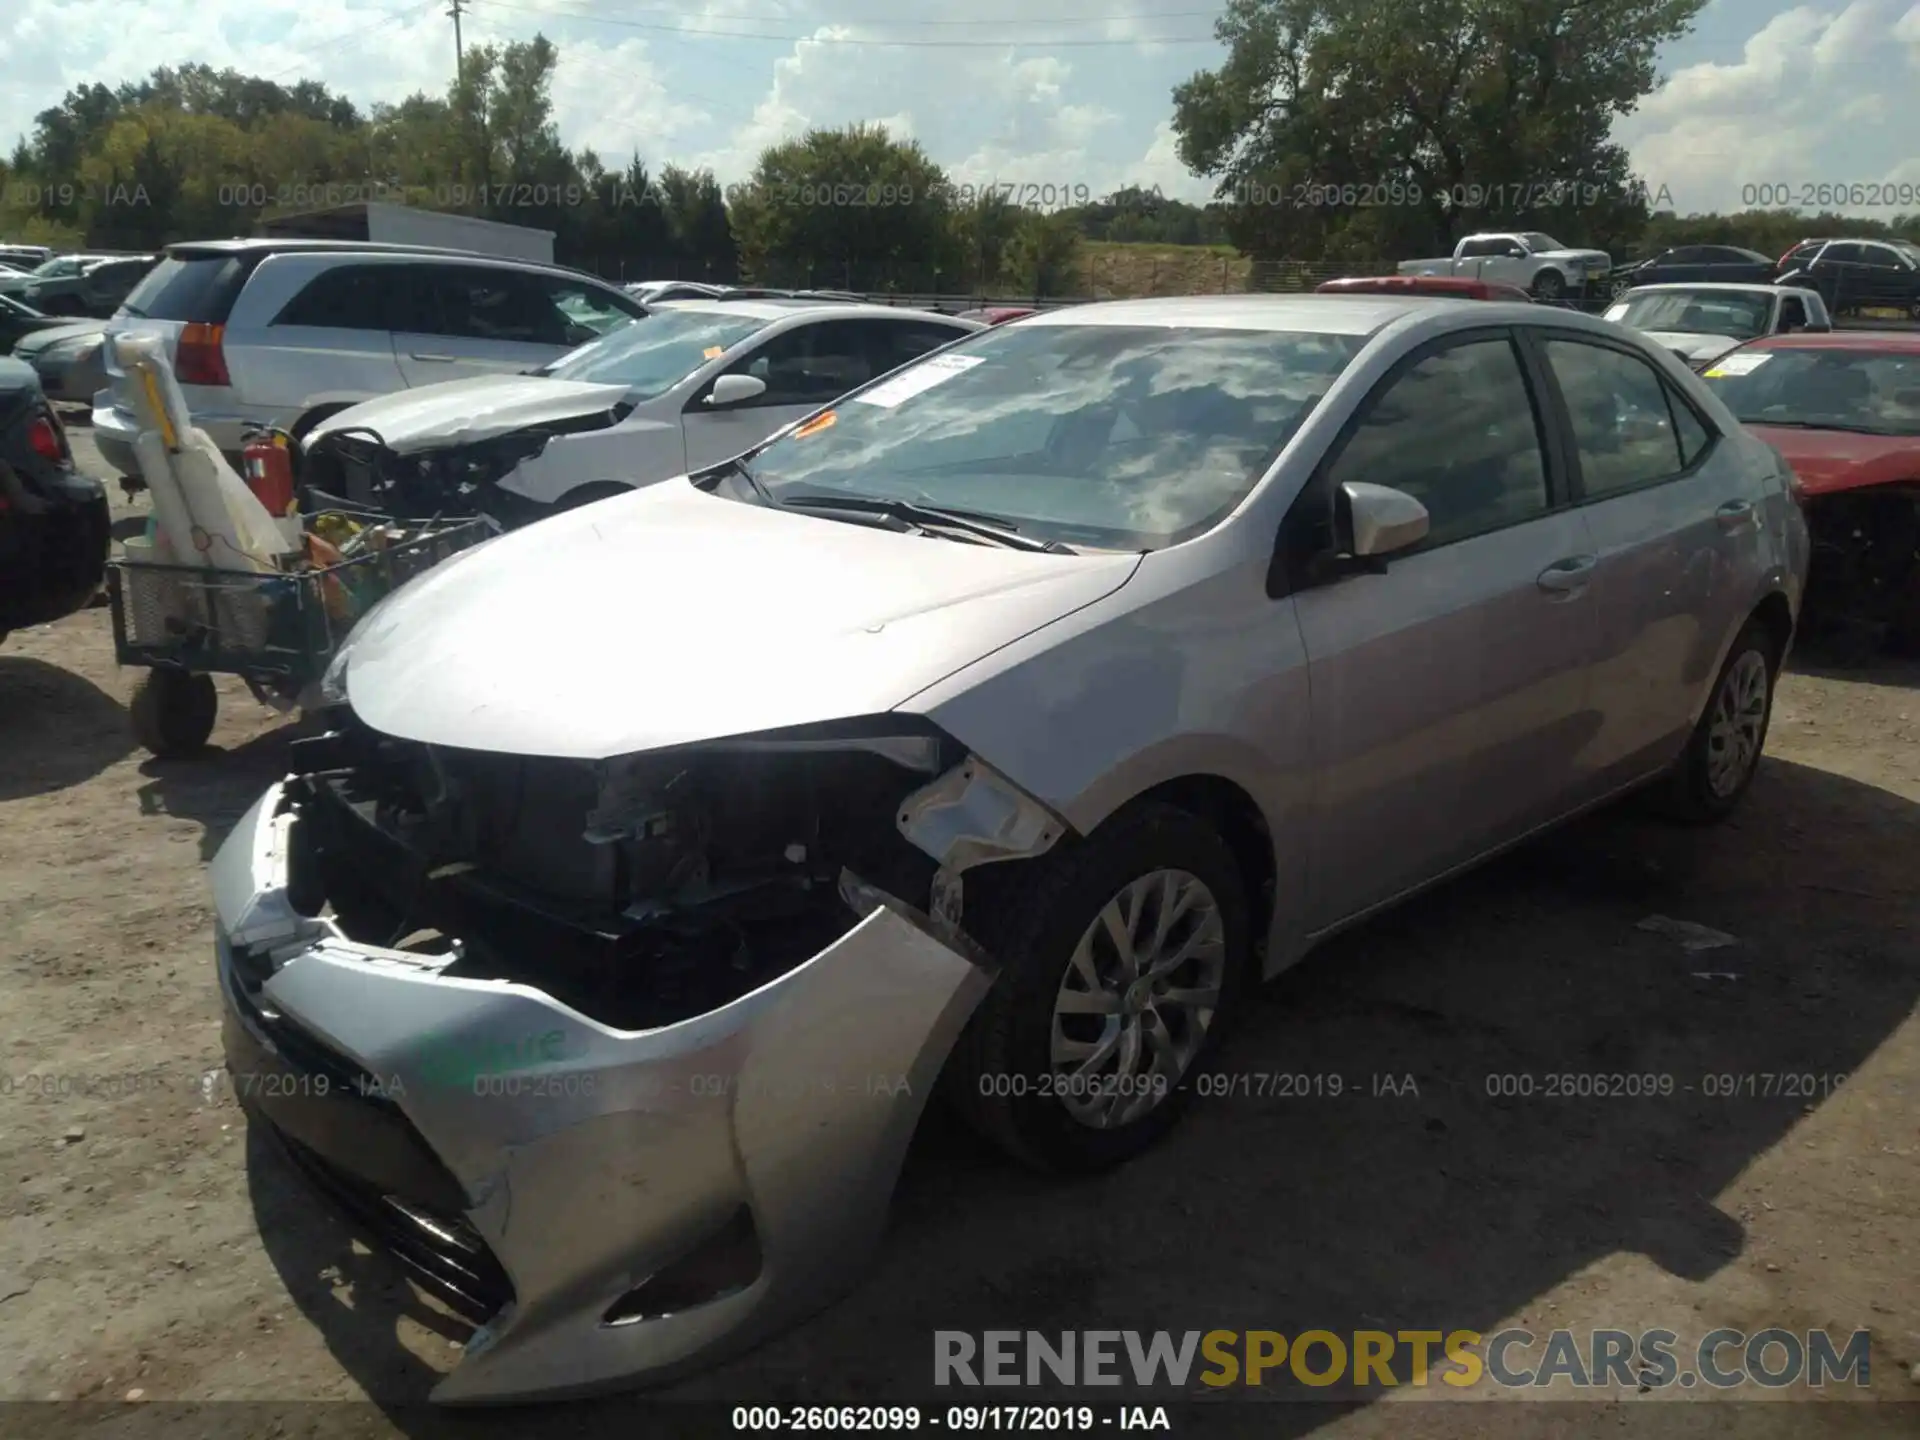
(1045, 257)
(850, 207)
(699, 229)
(984, 232)
(1442, 116)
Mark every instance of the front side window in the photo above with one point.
(475, 302)
(1623, 429)
(654, 354)
(590, 309)
(1458, 432)
(1106, 436)
(1537, 242)
(1868, 392)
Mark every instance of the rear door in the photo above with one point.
(1888, 279)
(1838, 272)
(1450, 695)
(464, 320)
(1674, 519)
(806, 366)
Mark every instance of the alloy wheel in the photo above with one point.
(1739, 722)
(1134, 1006)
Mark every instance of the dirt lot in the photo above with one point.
(150, 1249)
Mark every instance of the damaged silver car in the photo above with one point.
(997, 727)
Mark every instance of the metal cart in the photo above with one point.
(277, 631)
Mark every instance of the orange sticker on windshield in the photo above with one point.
(816, 425)
(713, 352)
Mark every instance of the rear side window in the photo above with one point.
(1693, 433)
(197, 289)
(899, 343)
(348, 297)
(1623, 427)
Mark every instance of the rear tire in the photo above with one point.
(1723, 754)
(1549, 287)
(172, 712)
(1068, 994)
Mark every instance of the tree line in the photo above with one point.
(1335, 130)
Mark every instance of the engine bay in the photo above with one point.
(640, 891)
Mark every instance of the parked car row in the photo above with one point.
(1848, 275)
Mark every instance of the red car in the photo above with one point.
(1844, 409)
(1460, 287)
(997, 314)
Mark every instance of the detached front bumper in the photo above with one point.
(618, 1206)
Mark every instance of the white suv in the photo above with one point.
(699, 383)
(287, 332)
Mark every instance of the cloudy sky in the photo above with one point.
(1036, 92)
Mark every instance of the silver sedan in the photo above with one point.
(997, 726)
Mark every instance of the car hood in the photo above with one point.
(463, 412)
(1695, 346)
(47, 336)
(671, 616)
(1826, 461)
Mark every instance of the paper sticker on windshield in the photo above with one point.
(713, 352)
(1739, 364)
(816, 425)
(934, 370)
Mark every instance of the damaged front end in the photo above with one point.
(1864, 575)
(461, 477)
(619, 1057)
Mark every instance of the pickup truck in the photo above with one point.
(1700, 323)
(1537, 263)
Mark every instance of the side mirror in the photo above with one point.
(1374, 520)
(735, 390)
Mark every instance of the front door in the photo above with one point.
(1450, 695)
(803, 367)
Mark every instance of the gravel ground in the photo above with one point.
(151, 1248)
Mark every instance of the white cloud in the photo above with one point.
(1816, 97)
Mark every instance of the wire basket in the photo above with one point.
(280, 627)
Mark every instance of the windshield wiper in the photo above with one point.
(740, 467)
(1821, 425)
(923, 517)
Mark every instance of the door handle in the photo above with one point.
(1735, 514)
(1565, 577)
(441, 359)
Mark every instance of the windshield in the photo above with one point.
(1105, 436)
(1537, 241)
(653, 355)
(1874, 392)
(1698, 312)
(64, 265)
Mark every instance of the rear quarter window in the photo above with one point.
(197, 289)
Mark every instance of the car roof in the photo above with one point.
(1738, 287)
(1312, 314)
(1893, 342)
(771, 310)
(274, 245)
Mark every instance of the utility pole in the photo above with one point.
(454, 12)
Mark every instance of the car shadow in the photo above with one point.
(127, 527)
(1374, 1162)
(57, 728)
(217, 786)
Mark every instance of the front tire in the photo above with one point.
(1723, 753)
(1123, 958)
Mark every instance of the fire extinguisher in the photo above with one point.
(269, 470)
